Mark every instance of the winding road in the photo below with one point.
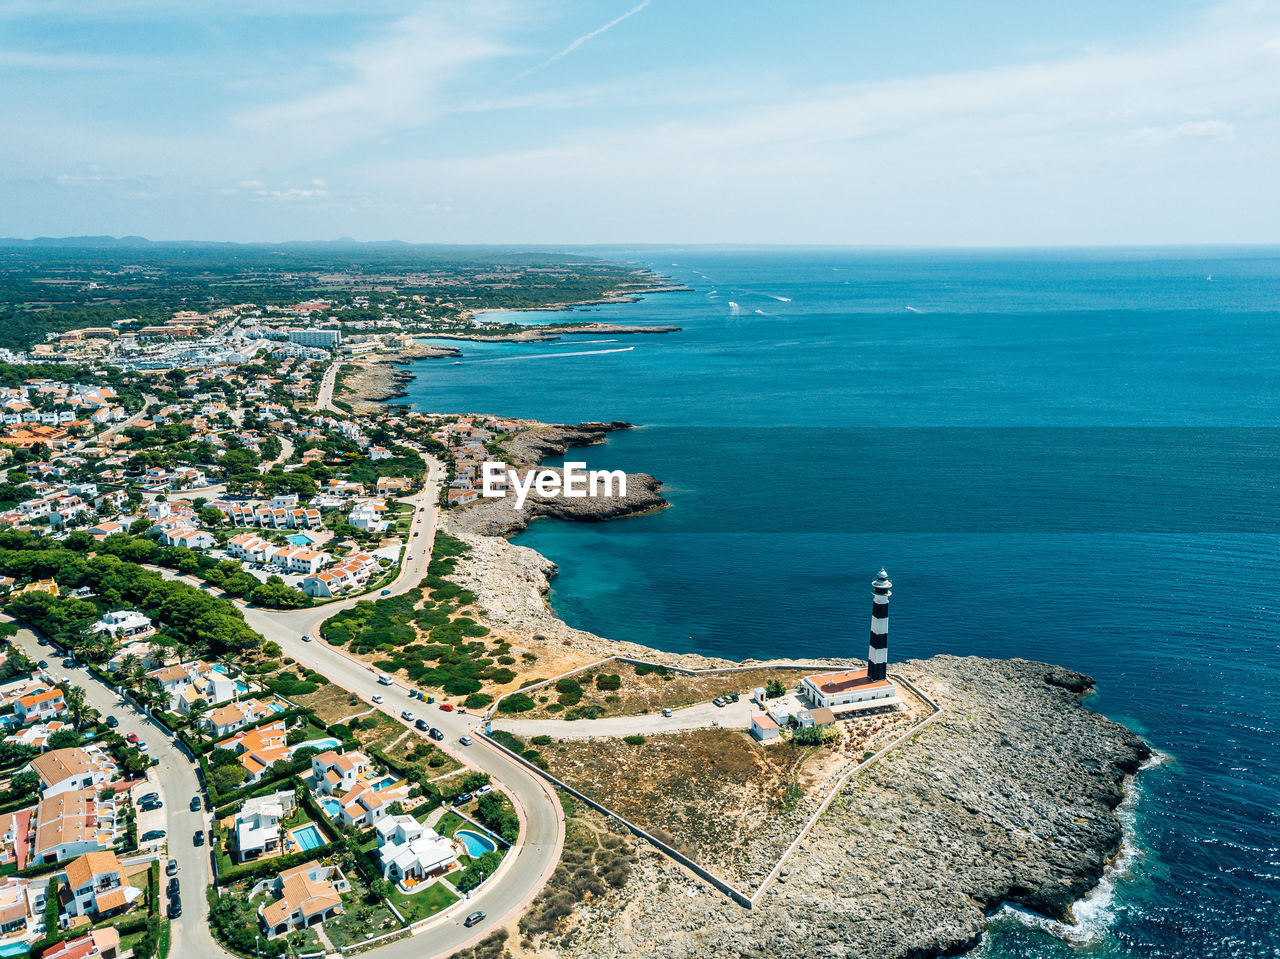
(532, 860)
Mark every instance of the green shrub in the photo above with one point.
(635, 739)
(608, 681)
(568, 685)
(516, 703)
(478, 701)
(541, 740)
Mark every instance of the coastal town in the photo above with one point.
(274, 682)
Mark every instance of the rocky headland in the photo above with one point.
(1009, 797)
(536, 334)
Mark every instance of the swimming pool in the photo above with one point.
(476, 844)
(331, 806)
(383, 783)
(308, 836)
(321, 744)
(18, 948)
(300, 539)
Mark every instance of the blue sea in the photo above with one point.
(1066, 456)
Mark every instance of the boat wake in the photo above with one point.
(1096, 911)
(912, 309)
(734, 309)
(780, 299)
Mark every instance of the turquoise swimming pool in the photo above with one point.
(309, 837)
(476, 844)
(331, 806)
(14, 949)
(300, 539)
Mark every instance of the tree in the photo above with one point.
(227, 778)
(774, 688)
(74, 697)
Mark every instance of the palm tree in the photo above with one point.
(137, 675)
(74, 698)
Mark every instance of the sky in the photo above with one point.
(574, 122)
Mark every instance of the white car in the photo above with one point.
(378, 699)
(384, 679)
(484, 789)
(142, 747)
(406, 715)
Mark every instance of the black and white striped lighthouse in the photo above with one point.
(878, 656)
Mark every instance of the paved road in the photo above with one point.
(324, 399)
(175, 779)
(698, 716)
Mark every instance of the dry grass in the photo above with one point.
(332, 703)
(715, 794)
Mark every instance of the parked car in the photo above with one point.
(151, 835)
(422, 725)
(465, 740)
(719, 700)
(42, 664)
(198, 838)
(446, 707)
(463, 799)
(378, 699)
(384, 679)
(175, 909)
(196, 804)
(153, 804)
(149, 797)
(174, 889)
(472, 919)
(143, 747)
(69, 663)
(172, 868)
(406, 715)
(436, 734)
(386, 592)
(667, 712)
(415, 535)
(132, 738)
(486, 788)
(112, 722)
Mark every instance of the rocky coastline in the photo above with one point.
(1009, 797)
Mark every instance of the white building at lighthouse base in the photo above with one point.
(847, 691)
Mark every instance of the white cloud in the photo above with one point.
(1206, 130)
(392, 83)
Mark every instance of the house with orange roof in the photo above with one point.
(72, 768)
(41, 706)
(309, 894)
(70, 824)
(102, 943)
(259, 748)
(95, 886)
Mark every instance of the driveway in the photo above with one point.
(698, 716)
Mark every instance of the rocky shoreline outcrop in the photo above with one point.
(1009, 797)
(501, 517)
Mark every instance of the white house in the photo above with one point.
(257, 824)
(336, 773)
(124, 624)
(409, 850)
(188, 537)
